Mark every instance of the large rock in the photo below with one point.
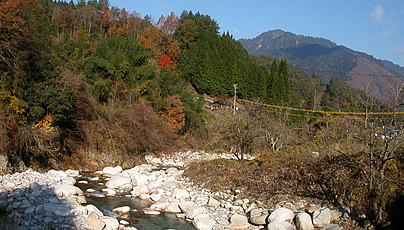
(259, 220)
(159, 205)
(120, 181)
(91, 208)
(213, 202)
(194, 211)
(303, 221)
(185, 205)
(140, 189)
(121, 210)
(180, 194)
(204, 224)
(238, 221)
(172, 171)
(281, 214)
(321, 217)
(111, 223)
(56, 173)
(57, 209)
(109, 171)
(173, 208)
(72, 173)
(94, 224)
(280, 225)
(67, 190)
(68, 180)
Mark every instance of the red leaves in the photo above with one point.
(166, 62)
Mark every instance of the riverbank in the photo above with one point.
(51, 201)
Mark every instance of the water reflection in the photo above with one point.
(135, 217)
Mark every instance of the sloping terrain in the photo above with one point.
(327, 59)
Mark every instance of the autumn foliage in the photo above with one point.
(174, 114)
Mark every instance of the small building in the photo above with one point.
(222, 104)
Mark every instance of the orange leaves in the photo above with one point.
(174, 114)
(166, 62)
(159, 38)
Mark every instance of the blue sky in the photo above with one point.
(375, 27)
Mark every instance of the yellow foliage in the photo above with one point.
(46, 123)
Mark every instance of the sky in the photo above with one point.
(375, 27)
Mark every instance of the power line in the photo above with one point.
(322, 111)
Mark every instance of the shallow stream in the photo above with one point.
(135, 217)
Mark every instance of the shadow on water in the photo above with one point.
(36, 207)
(135, 217)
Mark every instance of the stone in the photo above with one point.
(123, 222)
(119, 181)
(321, 217)
(201, 216)
(335, 215)
(259, 220)
(281, 214)
(155, 197)
(332, 227)
(90, 190)
(109, 171)
(159, 205)
(140, 189)
(72, 173)
(110, 192)
(57, 209)
(204, 224)
(213, 202)
(91, 208)
(180, 194)
(303, 221)
(149, 211)
(34, 187)
(57, 174)
(81, 200)
(96, 178)
(111, 223)
(255, 212)
(173, 208)
(238, 221)
(67, 190)
(94, 224)
(121, 210)
(172, 171)
(68, 180)
(194, 211)
(280, 225)
(93, 215)
(185, 205)
(82, 182)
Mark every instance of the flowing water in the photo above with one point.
(135, 217)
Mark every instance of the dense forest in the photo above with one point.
(85, 85)
(87, 77)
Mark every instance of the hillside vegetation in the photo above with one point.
(327, 59)
(84, 85)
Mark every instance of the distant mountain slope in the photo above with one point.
(327, 59)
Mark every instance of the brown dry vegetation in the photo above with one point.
(320, 162)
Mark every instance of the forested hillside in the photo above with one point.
(327, 59)
(88, 79)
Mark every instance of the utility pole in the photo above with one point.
(235, 93)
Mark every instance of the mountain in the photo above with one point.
(326, 59)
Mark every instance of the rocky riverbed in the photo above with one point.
(53, 200)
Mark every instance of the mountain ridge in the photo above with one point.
(326, 59)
